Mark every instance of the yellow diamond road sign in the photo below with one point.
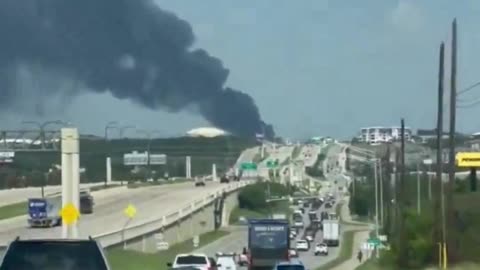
(130, 211)
(69, 214)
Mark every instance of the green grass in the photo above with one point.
(222, 150)
(13, 210)
(346, 243)
(296, 151)
(157, 183)
(373, 264)
(279, 207)
(102, 187)
(258, 157)
(120, 259)
(346, 251)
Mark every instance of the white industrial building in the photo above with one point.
(374, 135)
(208, 132)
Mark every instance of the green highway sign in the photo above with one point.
(272, 164)
(374, 241)
(249, 166)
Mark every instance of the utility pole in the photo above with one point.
(451, 139)
(381, 192)
(376, 204)
(376, 195)
(419, 202)
(439, 187)
(403, 252)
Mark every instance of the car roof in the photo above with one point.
(192, 254)
(291, 262)
(53, 240)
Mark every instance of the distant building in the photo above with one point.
(374, 135)
(429, 134)
(208, 132)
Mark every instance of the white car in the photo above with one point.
(199, 261)
(298, 224)
(226, 263)
(293, 253)
(309, 238)
(302, 245)
(321, 249)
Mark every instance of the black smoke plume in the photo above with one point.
(131, 48)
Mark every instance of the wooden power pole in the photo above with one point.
(451, 161)
(439, 200)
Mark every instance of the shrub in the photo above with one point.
(254, 197)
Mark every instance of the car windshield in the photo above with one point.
(40, 255)
(290, 267)
(190, 259)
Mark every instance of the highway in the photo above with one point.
(152, 202)
(11, 196)
(309, 154)
(282, 153)
(237, 239)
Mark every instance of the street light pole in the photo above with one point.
(122, 130)
(42, 126)
(149, 134)
(108, 126)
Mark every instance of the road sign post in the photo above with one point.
(130, 211)
(196, 241)
(161, 244)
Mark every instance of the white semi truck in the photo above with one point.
(331, 232)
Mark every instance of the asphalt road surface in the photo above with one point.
(151, 202)
(11, 196)
(237, 239)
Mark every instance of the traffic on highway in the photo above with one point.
(310, 234)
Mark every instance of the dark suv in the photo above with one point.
(77, 254)
(224, 179)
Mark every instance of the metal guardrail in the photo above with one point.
(118, 236)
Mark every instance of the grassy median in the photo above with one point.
(13, 210)
(120, 259)
(346, 251)
(279, 207)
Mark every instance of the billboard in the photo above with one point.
(7, 157)
(139, 159)
(468, 159)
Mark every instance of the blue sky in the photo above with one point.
(316, 67)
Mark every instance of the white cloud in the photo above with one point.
(406, 16)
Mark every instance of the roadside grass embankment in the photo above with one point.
(121, 259)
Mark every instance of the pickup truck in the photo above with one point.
(54, 254)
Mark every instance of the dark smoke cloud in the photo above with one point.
(131, 48)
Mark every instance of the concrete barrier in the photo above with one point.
(130, 232)
(135, 231)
